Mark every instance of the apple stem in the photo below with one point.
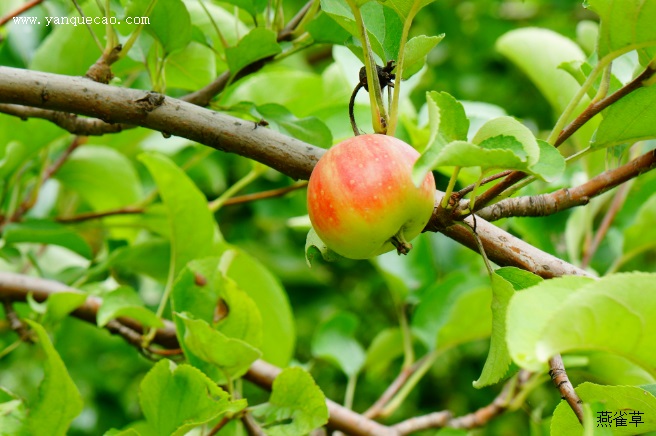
(398, 241)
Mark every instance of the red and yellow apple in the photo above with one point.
(361, 198)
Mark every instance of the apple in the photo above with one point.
(361, 198)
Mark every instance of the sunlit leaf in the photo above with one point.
(124, 301)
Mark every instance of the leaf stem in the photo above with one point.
(394, 109)
(426, 363)
(240, 184)
(379, 117)
(452, 184)
(406, 334)
(350, 391)
(135, 34)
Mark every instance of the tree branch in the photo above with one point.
(16, 287)
(548, 204)
(567, 392)
(593, 109)
(19, 10)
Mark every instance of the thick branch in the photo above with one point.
(155, 111)
(548, 204)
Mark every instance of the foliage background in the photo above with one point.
(108, 371)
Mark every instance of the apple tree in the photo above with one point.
(159, 273)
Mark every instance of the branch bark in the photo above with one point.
(548, 204)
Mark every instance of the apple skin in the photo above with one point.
(361, 194)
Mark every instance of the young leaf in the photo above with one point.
(60, 304)
(447, 123)
(232, 356)
(334, 341)
(170, 24)
(187, 208)
(641, 234)
(498, 358)
(519, 278)
(625, 25)
(175, 399)
(407, 9)
(386, 346)
(415, 52)
(628, 409)
(190, 69)
(151, 258)
(296, 405)
(539, 52)
(551, 163)
(258, 44)
(620, 123)
(59, 400)
(510, 127)
(47, 232)
(124, 301)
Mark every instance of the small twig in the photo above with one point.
(128, 210)
(377, 408)
(567, 392)
(613, 210)
(218, 426)
(279, 192)
(424, 422)
(466, 190)
(19, 10)
(15, 322)
(52, 169)
(252, 428)
(286, 33)
(593, 109)
(557, 201)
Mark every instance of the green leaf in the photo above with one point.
(447, 122)
(415, 52)
(453, 311)
(551, 164)
(324, 29)
(519, 278)
(498, 358)
(612, 314)
(296, 406)
(59, 400)
(308, 129)
(383, 28)
(334, 341)
(406, 9)
(60, 304)
(170, 24)
(637, 406)
(631, 119)
(314, 245)
(539, 52)
(498, 153)
(103, 177)
(232, 356)
(258, 44)
(192, 224)
(625, 25)
(175, 399)
(13, 414)
(510, 127)
(253, 7)
(611, 369)
(190, 69)
(278, 325)
(124, 301)
(47, 232)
